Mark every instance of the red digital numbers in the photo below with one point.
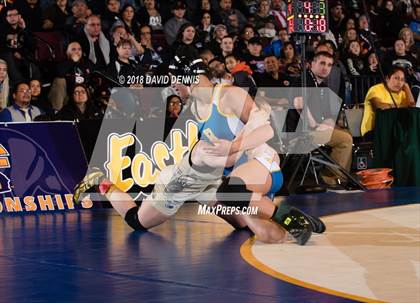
(308, 7)
(308, 24)
(321, 25)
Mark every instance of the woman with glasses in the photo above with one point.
(153, 55)
(80, 106)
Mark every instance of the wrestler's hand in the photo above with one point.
(219, 148)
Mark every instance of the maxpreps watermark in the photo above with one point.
(224, 210)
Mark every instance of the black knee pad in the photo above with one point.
(233, 192)
(132, 219)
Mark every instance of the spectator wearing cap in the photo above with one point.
(225, 11)
(21, 110)
(94, 44)
(54, 17)
(16, 47)
(255, 58)
(337, 20)
(150, 15)
(111, 15)
(76, 22)
(220, 31)
(218, 71)
(172, 26)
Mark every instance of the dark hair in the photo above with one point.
(182, 29)
(15, 88)
(325, 54)
(168, 99)
(283, 49)
(393, 70)
(10, 8)
(233, 56)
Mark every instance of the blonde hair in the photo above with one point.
(4, 93)
(406, 29)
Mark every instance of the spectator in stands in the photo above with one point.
(320, 118)
(218, 70)
(289, 60)
(16, 47)
(111, 15)
(389, 24)
(172, 26)
(399, 56)
(255, 58)
(278, 10)
(348, 36)
(379, 97)
(372, 67)
(337, 21)
(153, 56)
(415, 24)
(226, 46)
(220, 31)
(173, 109)
(368, 38)
(4, 85)
(76, 23)
(263, 15)
(127, 16)
(149, 15)
(355, 61)
(54, 17)
(21, 110)
(407, 36)
(350, 23)
(80, 106)
(31, 12)
(95, 45)
(37, 97)
(124, 67)
(272, 76)
(226, 10)
(241, 73)
(206, 55)
(247, 33)
(233, 25)
(337, 77)
(205, 29)
(118, 32)
(186, 44)
(75, 70)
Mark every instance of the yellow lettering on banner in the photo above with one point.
(1, 207)
(3, 151)
(160, 153)
(59, 202)
(192, 133)
(13, 204)
(30, 204)
(4, 162)
(45, 202)
(117, 162)
(142, 170)
(178, 150)
(69, 201)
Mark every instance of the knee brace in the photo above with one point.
(233, 192)
(132, 219)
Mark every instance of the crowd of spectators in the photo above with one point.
(244, 42)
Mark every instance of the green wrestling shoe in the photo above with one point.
(316, 223)
(89, 183)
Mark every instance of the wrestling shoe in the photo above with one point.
(317, 225)
(89, 183)
(297, 226)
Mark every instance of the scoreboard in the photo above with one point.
(307, 17)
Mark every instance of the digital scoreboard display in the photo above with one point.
(307, 17)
